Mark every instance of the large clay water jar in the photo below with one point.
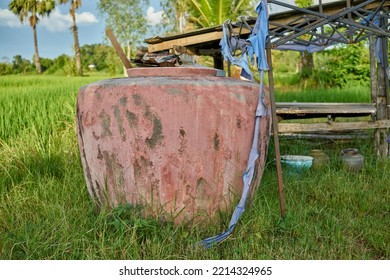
(174, 141)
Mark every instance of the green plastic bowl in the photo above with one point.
(297, 163)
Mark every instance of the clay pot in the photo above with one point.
(174, 141)
(352, 160)
(320, 158)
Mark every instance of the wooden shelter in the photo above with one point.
(318, 26)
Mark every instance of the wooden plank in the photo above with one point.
(324, 108)
(333, 126)
(328, 136)
(158, 39)
(374, 5)
(186, 41)
(304, 110)
(118, 49)
(191, 40)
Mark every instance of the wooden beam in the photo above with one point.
(299, 108)
(374, 5)
(191, 40)
(328, 136)
(333, 126)
(118, 49)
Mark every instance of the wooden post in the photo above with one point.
(276, 135)
(118, 49)
(381, 98)
(373, 71)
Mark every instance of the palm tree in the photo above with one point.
(74, 5)
(30, 10)
(207, 13)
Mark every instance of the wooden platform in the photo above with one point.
(330, 111)
(302, 110)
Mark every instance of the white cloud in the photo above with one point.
(153, 17)
(86, 18)
(7, 18)
(57, 21)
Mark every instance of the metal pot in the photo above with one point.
(352, 160)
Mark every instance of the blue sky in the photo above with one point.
(54, 36)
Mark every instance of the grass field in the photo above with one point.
(289, 89)
(46, 212)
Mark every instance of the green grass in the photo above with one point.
(289, 89)
(46, 212)
(356, 94)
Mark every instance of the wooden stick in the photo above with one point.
(118, 49)
(276, 135)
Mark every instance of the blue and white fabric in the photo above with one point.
(257, 41)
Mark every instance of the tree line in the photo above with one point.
(94, 57)
(32, 10)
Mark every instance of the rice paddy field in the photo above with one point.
(46, 212)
